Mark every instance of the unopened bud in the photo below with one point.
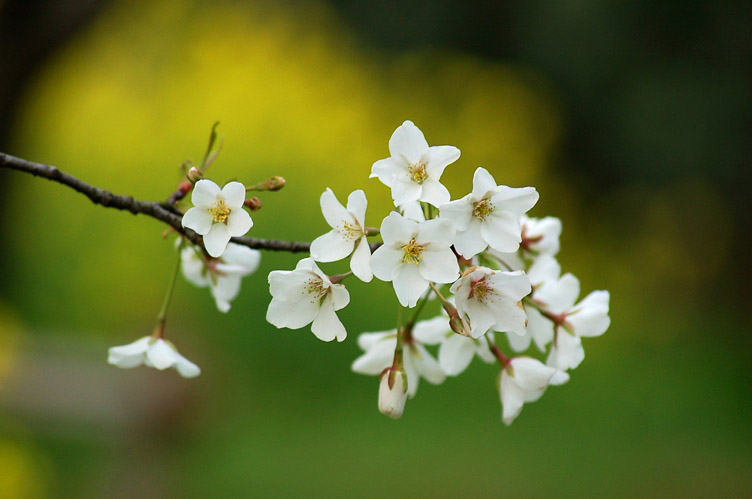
(457, 323)
(393, 392)
(184, 187)
(194, 175)
(275, 183)
(253, 204)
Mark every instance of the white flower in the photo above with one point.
(413, 211)
(414, 254)
(222, 275)
(217, 214)
(348, 234)
(489, 216)
(489, 299)
(456, 351)
(379, 354)
(306, 295)
(414, 168)
(153, 352)
(541, 235)
(523, 379)
(587, 318)
(392, 398)
(539, 329)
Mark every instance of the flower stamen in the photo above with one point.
(413, 252)
(482, 208)
(219, 211)
(417, 172)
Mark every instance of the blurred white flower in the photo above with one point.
(217, 215)
(489, 216)
(222, 275)
(306, 295)
(540, 236)
(414, 254)
(455, 351)
(523, 379)
(392, 393)
(348, 234)
(414, 169)
(152, 352)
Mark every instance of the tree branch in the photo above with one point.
(165, 211)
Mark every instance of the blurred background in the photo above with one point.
(631, 118)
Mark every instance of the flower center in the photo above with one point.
(480, 290)
(219, 211)
(314, 287)
(413, 252)
(351, 232)
(417, 172)
(482, 208)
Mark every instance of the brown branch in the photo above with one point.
(165, 211)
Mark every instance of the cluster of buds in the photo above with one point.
(504, 287)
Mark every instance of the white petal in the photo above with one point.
(519, 343)
(512, 285)
(239, 222)
(185, 367)
(413, 378)
(404, 190)
(426, 365)
(559, 378)
(216, 240)
(408, 142)
(432, 331)
(559, 296)
(515, 200)
(386, 261)
(197, 219)
(396, 229)
(434, 192)
(549, 230)
(376, 358)
(327, 326)
(439, 231)
(340, 296)
(413, 211)
(481, 317)
(512, 397)
(456, 353)
(387, 169)
(591, 315)
(287, 285)
(356, 205)
(439, 265)
(193, 267)
(441, 156)
(366, 341)
(205, 193)
(293, 315)
(566, 352)
(331, 247)
(225, 290)
(540, 328)
(234, 194)
(483, 183)
(160, 354)
(502, 231)
(360, 263)
(544, 268)
(243, 256)
(408, 284)
(334, 213)
(459, 211)
(531, 374)
(130, 355)
(469, 243)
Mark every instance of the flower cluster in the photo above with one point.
(499, 263)
(490, 265)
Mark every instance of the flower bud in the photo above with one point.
(194, 175)
(275, 183)
(393, 393)
(253, 204)
(184, 187)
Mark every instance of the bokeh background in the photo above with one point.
(632, 119)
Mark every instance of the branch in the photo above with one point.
(165, 212)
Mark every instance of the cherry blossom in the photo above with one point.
(413, 170)
(523, 379)
(218, 215)
(152, 352)
(489, 299)
(489, 215)
(348, 234)
(306, 295)
(222, 275)
(392, 393)
(414, 254)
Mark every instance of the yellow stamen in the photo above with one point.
(482, 208)
(219, 211)
(413, 252)
(417, 172)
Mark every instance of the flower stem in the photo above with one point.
(162, 316)
(503, 359)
